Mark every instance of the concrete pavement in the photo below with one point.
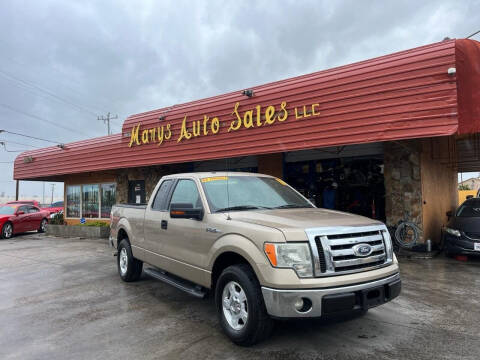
(62, 299)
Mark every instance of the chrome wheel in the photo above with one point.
(123, 260)
(234, 304)
(43, 225)
(7, 231)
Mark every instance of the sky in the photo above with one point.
(64, 63)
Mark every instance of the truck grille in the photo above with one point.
(337, 251)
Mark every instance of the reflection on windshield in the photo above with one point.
(250, 192)
(7, 210)
(470, 209)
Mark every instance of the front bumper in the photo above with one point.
(111, 241)
(334, 300)
(460, 245)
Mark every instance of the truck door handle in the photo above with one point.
(163, 224)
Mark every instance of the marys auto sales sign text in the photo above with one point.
(256, 117)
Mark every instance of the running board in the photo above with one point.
(184, 285)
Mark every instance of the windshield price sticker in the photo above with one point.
(476, 246)
(215, 178)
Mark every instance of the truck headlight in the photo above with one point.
(388, 245)
(453, 232)
(294, 256)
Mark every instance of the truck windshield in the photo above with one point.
(250, 192)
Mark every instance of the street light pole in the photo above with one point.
(53, 188)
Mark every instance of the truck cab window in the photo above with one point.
(160, 202)
(186, 192)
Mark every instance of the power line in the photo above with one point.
(40, 118)
(61, 73)
(45, 91)
(475, 33)
(28, 136)
(5, 148)
(106, 120)
(7, 162)
(17, 143)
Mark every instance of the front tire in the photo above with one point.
(7, 230)
(129, 268)
(240, 307)
(43, 226)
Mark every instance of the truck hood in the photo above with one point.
(293, 222)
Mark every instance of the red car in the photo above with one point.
(18, 218)
(24, 202)
(54, 207)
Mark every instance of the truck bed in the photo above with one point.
(134, 206)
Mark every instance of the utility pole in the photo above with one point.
(53, 188)
(106, 120)
(43, 194)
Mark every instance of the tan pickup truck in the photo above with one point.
(260, 247)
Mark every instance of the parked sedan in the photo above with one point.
(17, 218)
(462, 233)
(54, 208)
(24, 202)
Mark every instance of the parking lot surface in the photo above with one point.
(62, 299)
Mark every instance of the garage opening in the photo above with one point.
(346, 178)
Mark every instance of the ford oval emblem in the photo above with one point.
(362, 250)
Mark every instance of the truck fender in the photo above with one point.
(124, 225)
(242, 246)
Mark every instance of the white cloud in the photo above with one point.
(128, 57)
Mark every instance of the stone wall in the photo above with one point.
(403, 185)
(83, 232)
(151, 175)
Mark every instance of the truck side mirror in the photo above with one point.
(449, 214)
(185, 211)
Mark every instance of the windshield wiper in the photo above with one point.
(291, 206)
(242, 207)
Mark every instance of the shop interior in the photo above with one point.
(347, 178)
(351, 184)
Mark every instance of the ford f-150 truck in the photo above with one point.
(261, 248)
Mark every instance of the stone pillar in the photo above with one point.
(403, 185)
(122, 187)
(151, 175)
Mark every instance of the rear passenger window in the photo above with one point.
(32, 209)
(160, 202)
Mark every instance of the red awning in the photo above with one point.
(405, 95)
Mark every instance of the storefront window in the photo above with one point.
(108, 199)
(90, 201)
(73, 201)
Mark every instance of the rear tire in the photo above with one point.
(240, 307)
(7, 230)
(43, 226)
(129, 268)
